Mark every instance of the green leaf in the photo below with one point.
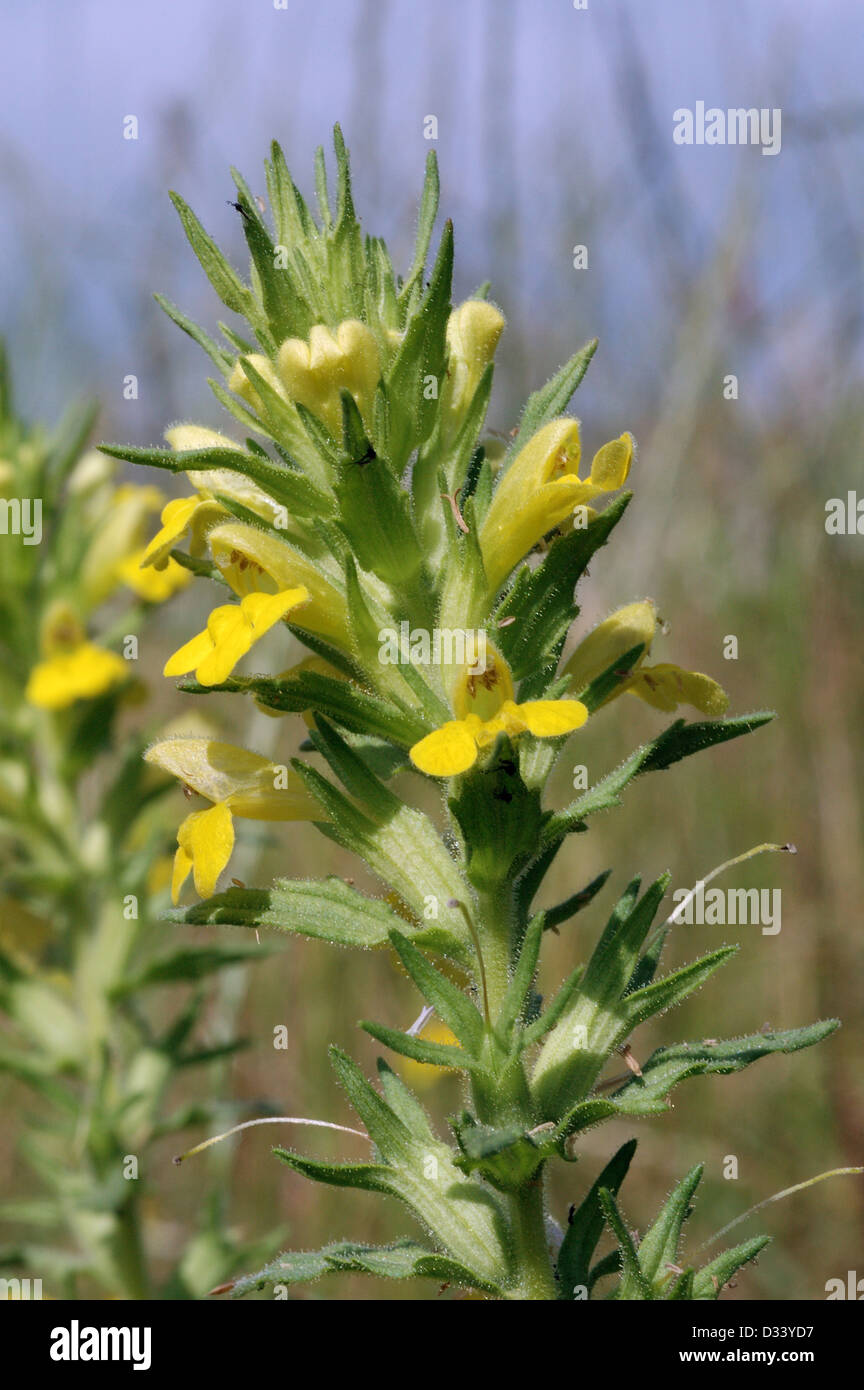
(646, 1095)
(404, 1259)
(448, 1001)
(519, 989)
(341, 701)
(224, 279)
(543, 405)
(634, 1285)
(678, 741)
(420, 1049)
(287, 486)
(425, 223)
(664, 994)
(586, 1225)
(188, 964)
(328, 909)
(377, 520)
(709, 1281)
(659, 1246)
(562, 912)
(223, 361)
(507, 1157)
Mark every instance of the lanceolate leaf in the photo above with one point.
(328, 909)
(646, 1095)
(586, 1224)
(678, 741)
(405, 1259)
(709, 1281)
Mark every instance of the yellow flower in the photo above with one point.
(230, 633)
(313, 373)
(238, 783)
(256, 561)
(485, 708)
(664, 686)
(473, 330)
(123, 530)
(542, 488)
(153, 584)
(195, 515)
(80, 674)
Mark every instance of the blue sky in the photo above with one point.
(555, 128)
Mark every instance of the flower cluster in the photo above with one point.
(367, 494)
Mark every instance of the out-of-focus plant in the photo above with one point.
(431, 575)
(83, 834)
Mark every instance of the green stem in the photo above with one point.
(531, 1247)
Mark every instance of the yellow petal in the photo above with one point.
(631, 626)
(552, 718)
(256, 561)
(82, 674)
(190, 656)
(207, 838)
(446, 752)
(180, 871)
(611, 464)
(473, 330)
(666, 686)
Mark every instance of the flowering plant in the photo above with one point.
(377, 505)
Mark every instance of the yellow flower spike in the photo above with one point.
(205, 842)
(666, 687)
(256, 561)
(238, 783)
(473, 330)
(154, 584)
(230, 633)
(313, 373)
(80, 674)
(631, 626)
(542, 489)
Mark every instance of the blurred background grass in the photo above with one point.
(554, 130)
